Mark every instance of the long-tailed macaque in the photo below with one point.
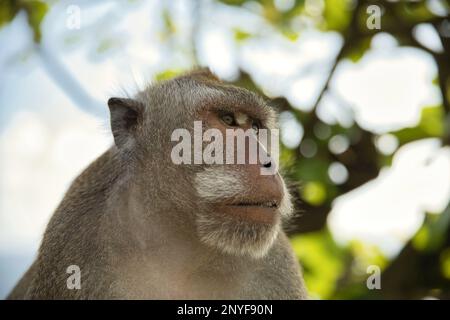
(136, 225)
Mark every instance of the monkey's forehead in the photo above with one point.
(200, 96)
(189, 95)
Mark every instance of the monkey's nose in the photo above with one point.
(267, 164)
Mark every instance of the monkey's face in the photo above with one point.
(235, 202)
(241, 204)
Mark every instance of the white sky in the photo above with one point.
(48, 140)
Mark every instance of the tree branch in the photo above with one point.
(69, 84)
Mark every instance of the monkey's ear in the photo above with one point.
(125, 115)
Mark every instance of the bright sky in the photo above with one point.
(49, 139)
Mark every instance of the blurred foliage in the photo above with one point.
(34, 9)
(167, 74)
(431, 125)
(337, 15)
(322, 259)
(240, 35)
(332, 270)
(431, 236)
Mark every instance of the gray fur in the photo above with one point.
(136, 225)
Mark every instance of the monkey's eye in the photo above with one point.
(255, 127)
(228, 119)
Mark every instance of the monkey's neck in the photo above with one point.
(141, 230)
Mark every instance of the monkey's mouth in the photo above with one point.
(265, 211)
(264, 204)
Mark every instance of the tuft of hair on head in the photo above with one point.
(202, 74)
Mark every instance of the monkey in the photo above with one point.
(139, 226)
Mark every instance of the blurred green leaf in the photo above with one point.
(241, 35)
(105, 45)
(289, 34)
(168, 74)
(357, 51)
(432, 121)
(445, 263)
(322, 260)
(431, 235)
(287, 157)
(414, 11)
(366, 255)
(36, 11)
(314, 193)
(169, 25)
(8, 10)
(337, 14)
(312, 170)
(233, 2)
(431, 125)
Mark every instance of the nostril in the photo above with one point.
(267, 164)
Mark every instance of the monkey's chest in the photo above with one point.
(169, 283)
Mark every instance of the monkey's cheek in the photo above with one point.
(253, 214)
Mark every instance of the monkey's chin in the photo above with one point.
(256, 214)
(237, 235)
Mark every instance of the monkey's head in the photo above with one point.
(180, 143)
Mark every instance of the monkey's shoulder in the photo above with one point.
(72, 234)
(89, 190)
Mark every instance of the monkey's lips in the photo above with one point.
(255, 211)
